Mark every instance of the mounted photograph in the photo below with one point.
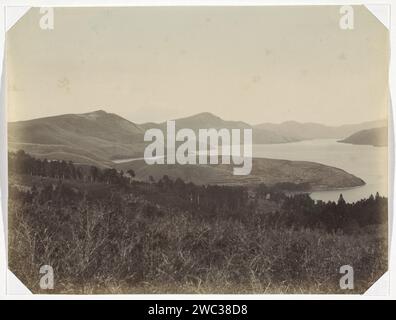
(198, 149)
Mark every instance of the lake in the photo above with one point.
(366, 162)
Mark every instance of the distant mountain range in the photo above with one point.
(377, 137)
(207, 120)
(98, 138)
(268, 133)
(309, 130)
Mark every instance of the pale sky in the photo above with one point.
(254, 64)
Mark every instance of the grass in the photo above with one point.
(132, 245)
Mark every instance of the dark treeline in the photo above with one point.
(237, 202)
(339, 215)
(22, 163)
(216, 199)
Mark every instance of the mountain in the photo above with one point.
(94, 137)
(375, 137)
(199, 121)
(207, 120)
(306, 131)
(99, 138)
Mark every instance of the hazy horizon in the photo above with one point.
(191, 115)
(150, 64)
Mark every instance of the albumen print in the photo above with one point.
(198, 149)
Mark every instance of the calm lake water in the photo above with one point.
(366, 162)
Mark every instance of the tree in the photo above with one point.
(341, 200)
(131, 175)
(180, 185)
(94, 173)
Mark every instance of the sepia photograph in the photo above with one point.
(198, 149)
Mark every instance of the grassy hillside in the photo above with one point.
(375, 137)
(268, 171)
(95, 137)
(99, 137)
